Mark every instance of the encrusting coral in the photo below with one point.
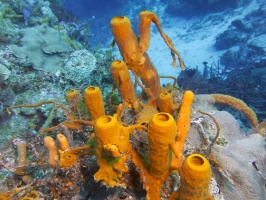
(113, 138)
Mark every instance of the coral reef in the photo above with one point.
(163, 144)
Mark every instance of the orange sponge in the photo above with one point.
(113, 150)
(166, 103)
(94, 102)
(195, 178)
(161, 133)
(124, 84)
(49, 143)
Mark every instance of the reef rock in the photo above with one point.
(238, 158)
(79, 66)
(41, 45)
(4, 72)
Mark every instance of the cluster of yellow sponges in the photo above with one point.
(166, 134)
(165, 122)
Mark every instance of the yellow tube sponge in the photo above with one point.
(134, 52)
(137, 61)
(94, 102)
(237, 104)
(22, 153)
(161, 133)
(161, 136)
(49, 143)
(70, 156)
(125, 38)
(73, 97)
(166, 103)
(113, 150)
(63, 142)
(183, 125)
(123, 82)
(145, 19)
(195, 176)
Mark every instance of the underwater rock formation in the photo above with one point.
(240, 158)
(79, 66)
(4, 72)
(42, 45)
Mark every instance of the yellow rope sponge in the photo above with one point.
(94, 102)
(49, 143)
(146, 113)
(113, 149)
(145, 19)
(195, 176)
(166, 103)
(123, 82)
(237, 104)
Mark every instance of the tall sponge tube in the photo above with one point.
(161, 133)
(125, 38)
